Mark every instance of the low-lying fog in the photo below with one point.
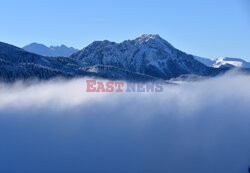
(196, 127)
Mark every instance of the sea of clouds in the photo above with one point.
(194, 127)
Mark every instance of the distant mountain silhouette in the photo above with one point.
(41, 49)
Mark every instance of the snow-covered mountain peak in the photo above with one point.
(231, 62)
(152, 41)
(148, 54)
(229, 59)
(224, 62)
(147, 37)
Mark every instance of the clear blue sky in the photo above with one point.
(208, 28)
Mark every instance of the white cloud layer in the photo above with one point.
(194, 127)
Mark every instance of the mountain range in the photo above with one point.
(148, 57)
(65, 51)
(41, 49)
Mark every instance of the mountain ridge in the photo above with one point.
(148, 57)
(41, 49)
